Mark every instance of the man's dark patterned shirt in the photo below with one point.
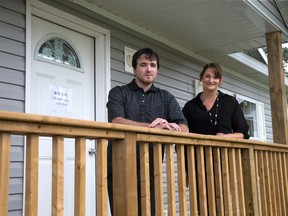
(130, 102)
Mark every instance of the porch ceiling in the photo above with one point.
(212, 29)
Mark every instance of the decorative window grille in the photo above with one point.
(58, 50)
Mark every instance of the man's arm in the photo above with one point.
(121, 120)
(157, 123)
(184, 127)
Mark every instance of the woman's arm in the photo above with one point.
(231, 135)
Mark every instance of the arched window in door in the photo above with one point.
(60, 51)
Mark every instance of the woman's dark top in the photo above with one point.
(230, 118)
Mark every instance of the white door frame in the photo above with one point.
(102, 55)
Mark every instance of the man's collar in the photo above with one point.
(133, 86)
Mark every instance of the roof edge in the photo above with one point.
(268, 15)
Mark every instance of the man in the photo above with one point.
(140, 103)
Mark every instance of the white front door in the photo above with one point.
(62, 84)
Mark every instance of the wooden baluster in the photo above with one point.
(32, 164)
(101, 177)
(218, 181)
(80, 177)
(268, 183)
(145, 179)
(192, 180)
(210, 181)
(240, 184)
(181, 180)
(202, 188)
(170, 180)
(58, 176)
(226, 181)
(285, 178)
(273, 187)
(250, 181)
(233, 181)
(5, 145)
(281, 182)
(158, 179)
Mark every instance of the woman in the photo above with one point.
(213, 112)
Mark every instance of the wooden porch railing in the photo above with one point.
(226, 176)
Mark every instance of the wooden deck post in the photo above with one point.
(125, 176)
(277, 87)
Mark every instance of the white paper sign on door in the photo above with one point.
(61, 98)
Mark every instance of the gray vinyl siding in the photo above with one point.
(12, 88)
(12, 55)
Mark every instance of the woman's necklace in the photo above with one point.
(216, 111)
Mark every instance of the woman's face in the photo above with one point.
(210, 82)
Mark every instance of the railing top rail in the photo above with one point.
(159, 135)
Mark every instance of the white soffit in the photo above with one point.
(253, 63)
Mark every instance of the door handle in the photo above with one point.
(92, 151)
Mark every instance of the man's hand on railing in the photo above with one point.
(164, 124)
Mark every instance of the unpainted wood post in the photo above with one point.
(277, 87)
(125, 176)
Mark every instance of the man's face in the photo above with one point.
(146, 70)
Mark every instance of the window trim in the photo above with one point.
(260, 112)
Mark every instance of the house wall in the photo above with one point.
(177, 71)
(177, 74)
(12, 88)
